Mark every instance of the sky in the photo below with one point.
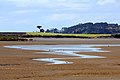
(25, 15)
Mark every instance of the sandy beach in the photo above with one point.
(17, 64)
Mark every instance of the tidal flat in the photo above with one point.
(18, 64)
(63, 50)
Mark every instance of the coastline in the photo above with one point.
(17, 64)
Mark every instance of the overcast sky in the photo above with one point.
(25, 15)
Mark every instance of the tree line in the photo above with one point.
(93, 28)
(86, 28)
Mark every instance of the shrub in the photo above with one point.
(116, 35)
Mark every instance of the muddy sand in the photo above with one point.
(17, 64)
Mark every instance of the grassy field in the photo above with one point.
(8, 38)
(11, 38)
(66, 35)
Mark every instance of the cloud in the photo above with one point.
(24, 12)
(25, 3)
(62, 17)
(71, 4)
(103, 2)
(23, 21)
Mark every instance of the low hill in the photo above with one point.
(92, 28)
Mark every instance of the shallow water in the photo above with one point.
(54, 60)
(64, 50)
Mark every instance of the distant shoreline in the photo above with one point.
(31, 36)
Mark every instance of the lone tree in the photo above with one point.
(39, 27)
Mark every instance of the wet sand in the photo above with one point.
(16, 64)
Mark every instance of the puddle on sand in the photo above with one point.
(53, 61)
(64, 50)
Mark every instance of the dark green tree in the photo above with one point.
(47, 30)
(39, 27)
(42, 30)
